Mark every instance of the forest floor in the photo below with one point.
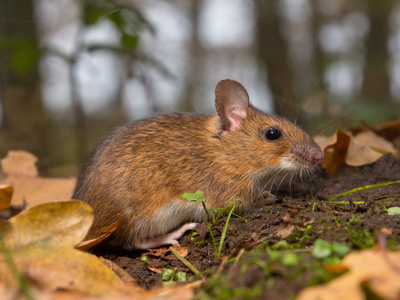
(267, 253)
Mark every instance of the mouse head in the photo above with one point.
(263, 142)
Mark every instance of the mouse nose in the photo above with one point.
(316, 155)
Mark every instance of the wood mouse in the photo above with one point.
(142, 169)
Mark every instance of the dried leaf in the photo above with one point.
(107, 231)
(344, 148)
(125, 277)
(386, 231)
(183, 251)
(156, 252)
(366, 147)
(335, 151)
(380, 270)
(41, 242)
(6, 192)
(20, 163)
(285, 232)
(19, 166)
(166, 253)
(336, 268)
(156, 270)
(37, 190)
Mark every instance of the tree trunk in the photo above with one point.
(376, 82)
(196, 52)
(24, 121)
(272, 53)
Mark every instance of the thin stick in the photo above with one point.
(185, 262)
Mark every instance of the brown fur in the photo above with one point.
(142, 169)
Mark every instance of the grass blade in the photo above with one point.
(363, 188)
(221, 243)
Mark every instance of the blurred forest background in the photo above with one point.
(72, 70)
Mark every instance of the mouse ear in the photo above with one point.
(231, 102)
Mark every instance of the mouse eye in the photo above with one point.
(272, 134)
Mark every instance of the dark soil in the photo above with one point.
(306, 217)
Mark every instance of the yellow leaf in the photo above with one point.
(379, 270)
(6, 192)
(41, 240)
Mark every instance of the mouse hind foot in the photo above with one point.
(170, 238)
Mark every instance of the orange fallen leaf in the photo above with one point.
(165, 252)
(183, 251)
(344, 148)
(380, 270)
(335, 150)
(156, 252)
(386, 231)
(21, 172)
(336, 268)
(107, 231)
(19, 162)
(6, 192)
(156, 270)
(285, 232)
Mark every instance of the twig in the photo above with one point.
(185, 262)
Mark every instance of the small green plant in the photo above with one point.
(213, 218)
(216, 214)
(281, 245)
(299, 238)
(170, 277)
(192, 235)
(290, 259)
(197, 198)
(323, 249)
(306, 234)
(361, 239)
(257, 261)
(393, 211)
(337, 221)
(144, 259)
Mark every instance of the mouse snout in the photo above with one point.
(307, 153)
(316, 155)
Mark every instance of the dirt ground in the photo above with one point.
(300, 216)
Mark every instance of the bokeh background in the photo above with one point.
(72, 70)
